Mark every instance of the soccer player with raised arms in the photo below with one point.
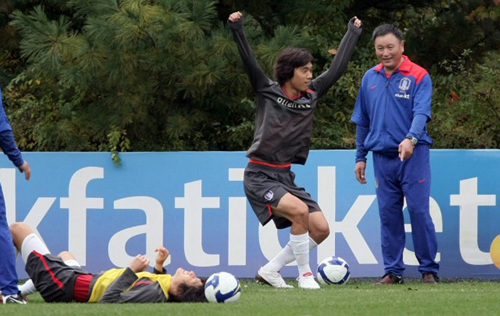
(283, 132)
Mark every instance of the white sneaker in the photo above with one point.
(273, 279)
(306, 281)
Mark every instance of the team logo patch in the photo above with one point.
(269, 195)
(404, 84)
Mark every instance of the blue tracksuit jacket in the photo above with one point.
(387, 106)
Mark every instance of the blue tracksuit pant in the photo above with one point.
(396, 180)
(8, 274)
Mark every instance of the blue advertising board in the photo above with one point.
(194, 204)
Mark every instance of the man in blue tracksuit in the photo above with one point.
(8, 274)
(391, 114)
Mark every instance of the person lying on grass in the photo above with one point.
(61, 279)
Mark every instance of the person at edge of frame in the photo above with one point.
(8, 273)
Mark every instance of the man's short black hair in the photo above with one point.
(385, 29)
(289, 59)
(190, 294)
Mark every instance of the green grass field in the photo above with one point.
(358, 297)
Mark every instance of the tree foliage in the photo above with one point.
(163, 75)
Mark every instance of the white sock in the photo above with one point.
(312, 244)
(72, 263)
(29, 288)
(300, 247)
(284, 257)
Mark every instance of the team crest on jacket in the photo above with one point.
(269, 195)
(404, 84)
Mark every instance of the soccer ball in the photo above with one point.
(333, 270)
(222, 287)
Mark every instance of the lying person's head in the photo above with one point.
(186, 287)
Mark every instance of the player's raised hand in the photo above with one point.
(139, 263)
(357, 22)
(162, 255)
(235, 16)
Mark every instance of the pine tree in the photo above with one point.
(155, 75)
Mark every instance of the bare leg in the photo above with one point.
(318, 232)
(69, 259)
(66, 255)
(297, 212)
(20, 231)
(319, 229)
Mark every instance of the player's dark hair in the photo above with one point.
(385, 29)
(190, 294)
(289, 59)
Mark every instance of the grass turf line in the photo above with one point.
(357, 297)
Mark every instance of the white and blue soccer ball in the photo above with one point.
(222, 287)
(333, 270)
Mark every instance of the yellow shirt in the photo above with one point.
(108, 277)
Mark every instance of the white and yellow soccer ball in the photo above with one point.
(333, 270)
(222, 287)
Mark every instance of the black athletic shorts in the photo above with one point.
(53, 278)
(265, 185)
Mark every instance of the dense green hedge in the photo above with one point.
(137, 75)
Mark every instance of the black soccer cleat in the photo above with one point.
(13, 299)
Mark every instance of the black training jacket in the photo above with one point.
(283, 127)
